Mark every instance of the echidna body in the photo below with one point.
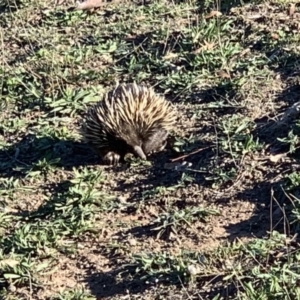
(129, 119)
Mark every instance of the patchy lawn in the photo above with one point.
(214, 216)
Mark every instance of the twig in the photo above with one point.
(89, 4)
(187, 155)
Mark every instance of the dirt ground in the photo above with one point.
(228, 133)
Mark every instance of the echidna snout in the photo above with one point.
(129, 119)
(139, 152)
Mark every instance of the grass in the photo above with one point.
(216, 217)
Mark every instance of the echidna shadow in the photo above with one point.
(130, 119)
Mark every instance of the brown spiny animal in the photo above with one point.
(130, 118)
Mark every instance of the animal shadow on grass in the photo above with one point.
(272, 201)
(131, 280)
(120, 281)
(33, 153)
(165, 173)
(267, 215)
(268, 130)
(48, 208)
(105, 285)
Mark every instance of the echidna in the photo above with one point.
(130, 119)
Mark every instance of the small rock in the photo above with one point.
(173, 237)
(122, 199)
(132, 242)
(193, 270)
(12, 288)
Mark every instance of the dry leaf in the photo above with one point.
(213, 13)
(274, 36)
(197, 51)
(140, 18)
(292, 9)
(276, 158)
(88, 4)
(282, 16)
(8, 262)
(206, 46)
(223, 74)
(132, 242)
(193, 269)
(279, 254)
(170, 55)
(254, 16)
(244, 52)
